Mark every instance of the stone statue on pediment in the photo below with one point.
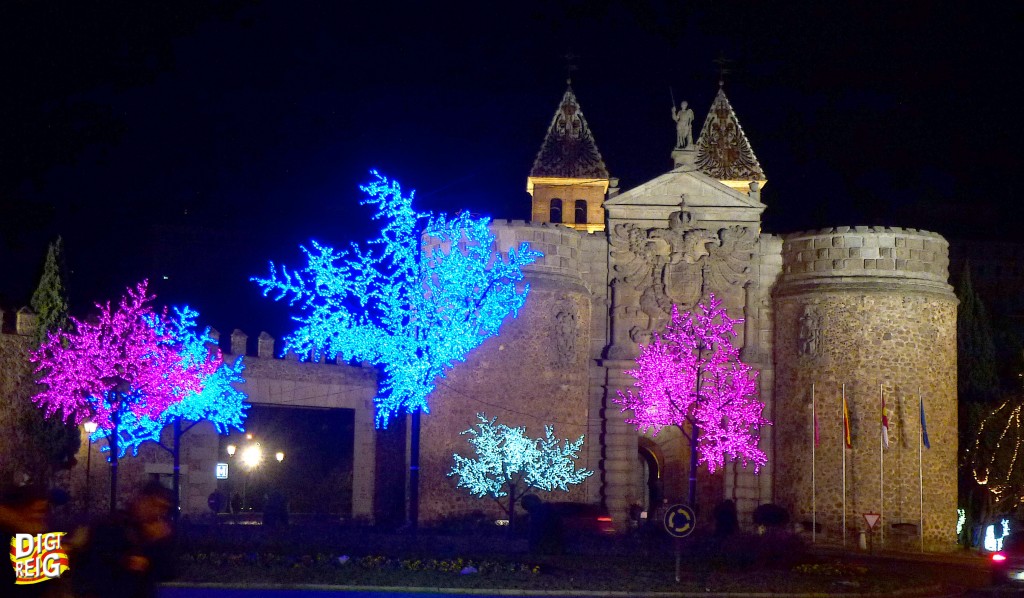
(684, 125)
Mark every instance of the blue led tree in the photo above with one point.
(414, 302)
(509, 465)
(218, 401)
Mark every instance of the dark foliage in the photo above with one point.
(771, 515)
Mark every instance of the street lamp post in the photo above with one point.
(251, 457)
(90, 427)
(118, 392)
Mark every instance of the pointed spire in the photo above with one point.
(569, 149)
(723, 151)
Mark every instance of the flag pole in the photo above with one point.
(842, 447)
(814, 491)
(920, 462)
(881, 470)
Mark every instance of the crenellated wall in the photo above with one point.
(865, 307)
(868, 310)
(268, 381)
(889, 253)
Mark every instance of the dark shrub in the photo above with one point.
(726, 522)
(744, 551)
(475, 521)
(771, 515)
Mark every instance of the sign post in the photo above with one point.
(872, 520)
(679, 523)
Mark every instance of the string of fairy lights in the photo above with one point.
(990, 466)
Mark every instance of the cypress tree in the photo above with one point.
(48, 444)
(977, 374)
(977, 392)
(50, 298)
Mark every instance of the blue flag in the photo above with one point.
(924, 428)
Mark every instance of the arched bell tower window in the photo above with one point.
(555, 212)
(581, 211)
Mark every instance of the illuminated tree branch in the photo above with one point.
(82, 367)
(509, 465)
(424, 294)
(996, 456)
(692, 375)
(218, 402)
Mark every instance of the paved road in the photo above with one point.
(971, 577)
(266, 593)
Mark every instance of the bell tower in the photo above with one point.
(569, 181)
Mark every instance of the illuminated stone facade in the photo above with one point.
(868, 308)
(863, 307)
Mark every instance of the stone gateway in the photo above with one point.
(863, 310)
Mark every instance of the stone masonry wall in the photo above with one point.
(534, 373)
(867, 251)
(883, 326)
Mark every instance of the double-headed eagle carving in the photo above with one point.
(681, 265)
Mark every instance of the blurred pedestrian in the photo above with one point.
(215, 501)
(128, 552)
(545, 530)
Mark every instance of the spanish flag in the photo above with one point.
(846, 424)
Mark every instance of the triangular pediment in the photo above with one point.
(706, 198)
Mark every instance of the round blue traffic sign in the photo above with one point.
(680, 521)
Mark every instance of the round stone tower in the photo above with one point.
(867, 313)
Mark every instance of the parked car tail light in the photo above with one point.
(605, 519)
(998, 557)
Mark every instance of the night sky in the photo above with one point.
(198, 140)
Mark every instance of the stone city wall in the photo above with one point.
(269, 380)
(327, 385)
(883, 326)
(534, 373)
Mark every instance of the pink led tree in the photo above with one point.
(123, 362)
(691, 377)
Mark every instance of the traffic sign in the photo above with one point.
(872, 519)
(680, 521)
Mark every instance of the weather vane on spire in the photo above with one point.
(723, 67)
(570, 66)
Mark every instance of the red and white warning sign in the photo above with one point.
(872, 519)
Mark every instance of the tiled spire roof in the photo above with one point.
(569, 149)
(723, 151)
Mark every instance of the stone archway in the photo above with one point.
(648, 484)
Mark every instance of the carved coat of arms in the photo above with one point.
(653, 269)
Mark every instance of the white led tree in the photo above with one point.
(509, 465)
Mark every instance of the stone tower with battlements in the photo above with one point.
(867, 313)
